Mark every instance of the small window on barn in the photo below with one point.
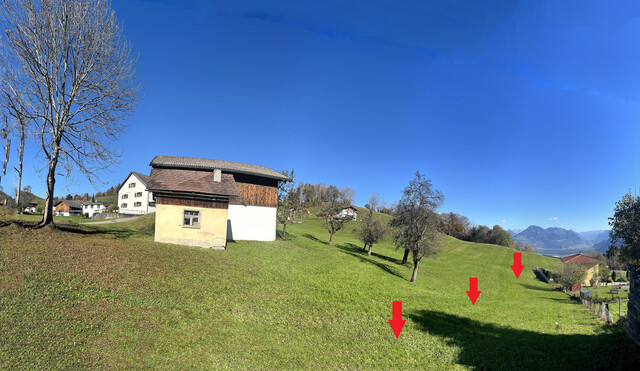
(138, 194)
(123, 205)
(191, 219)
(132, 185)
(137, 204)
(125, 196)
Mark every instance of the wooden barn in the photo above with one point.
(205, 202)
(67, 208)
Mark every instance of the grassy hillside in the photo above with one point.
(109, 296)
(113, 199)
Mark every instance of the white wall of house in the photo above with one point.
(93, 209)
(254, 223)
(348, 212)
(133, 197)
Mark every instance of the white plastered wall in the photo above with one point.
(253, 223)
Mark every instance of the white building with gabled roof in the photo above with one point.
(133, 197)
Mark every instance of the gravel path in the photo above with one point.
(119, 220)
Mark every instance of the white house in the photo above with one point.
(32, 207)
(90, 208)
(133, 197)
(350, 212)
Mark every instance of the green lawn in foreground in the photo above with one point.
(108, 296)
(56, 219)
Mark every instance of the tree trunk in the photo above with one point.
(4, 134)
(19, 169)
(370, 247)
(365, 247)
(331, 240)
(416, 264)
(406, 255)
(284, 231)
(47, 218)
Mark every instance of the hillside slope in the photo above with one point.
(109, 296)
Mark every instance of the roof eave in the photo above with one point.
(159, 192)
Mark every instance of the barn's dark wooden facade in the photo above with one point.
(179, 200)
(255, 191)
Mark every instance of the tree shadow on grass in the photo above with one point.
(490, 346)
(538, 288)
(358, 250)
(314, 238)
(353, 250)
(117, 232)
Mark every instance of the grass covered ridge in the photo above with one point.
(108, 296)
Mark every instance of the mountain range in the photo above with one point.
(560, 241)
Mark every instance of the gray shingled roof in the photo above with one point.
(71, 204)
(209, 164)
(143, 178)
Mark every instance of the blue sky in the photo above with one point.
(522, 112)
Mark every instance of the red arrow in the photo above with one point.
(397, 323)
(517, 264)
(473, 290)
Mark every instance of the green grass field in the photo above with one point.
(56, 219)
(108, 296)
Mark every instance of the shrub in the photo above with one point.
(614, 276)
(111, 208)
(592, 281)
(571, 274)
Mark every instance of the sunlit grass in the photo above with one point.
(89, 296)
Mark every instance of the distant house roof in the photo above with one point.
(351, 207)
(578, 259)
(192, 163)
(191, 181)
(71, 204)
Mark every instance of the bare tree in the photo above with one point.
(373, 202)
(6, 136)
(75, 68)
(16, 103)
(348, 195)
(331, 210)
(416, 222)
(288, 202)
